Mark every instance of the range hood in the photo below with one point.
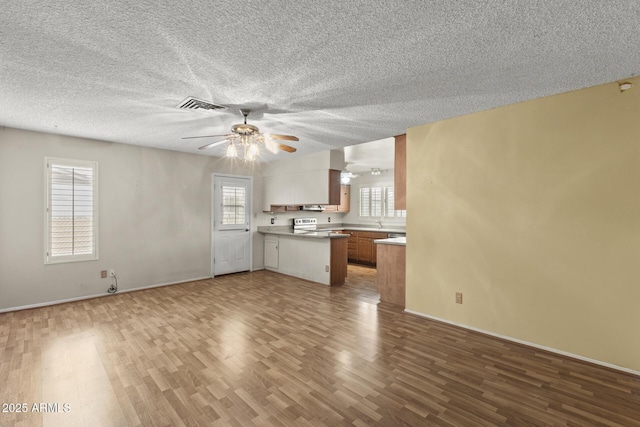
(315, 208)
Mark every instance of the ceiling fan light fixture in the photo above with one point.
(248, 138)
(232, 151)
(251, 152)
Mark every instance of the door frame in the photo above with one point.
(215, 175)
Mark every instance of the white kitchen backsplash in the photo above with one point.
(285, 218)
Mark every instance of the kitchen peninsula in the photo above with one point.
(316, 255)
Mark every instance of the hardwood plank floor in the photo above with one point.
(266, 349)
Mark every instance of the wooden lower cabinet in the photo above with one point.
(353, 247)
(365, 250)
(391, 274)
(361, 249)
(338, 262)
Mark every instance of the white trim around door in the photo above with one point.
(231, 224)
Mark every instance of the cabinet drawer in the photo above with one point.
(372, 234)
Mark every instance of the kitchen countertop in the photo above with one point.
(329, 231)
(399, 241)
(356, 227)
(288, 231)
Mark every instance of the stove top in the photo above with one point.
(304, 224)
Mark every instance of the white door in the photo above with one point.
(231, 224)
(271, 253)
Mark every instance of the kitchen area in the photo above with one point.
(330, 212)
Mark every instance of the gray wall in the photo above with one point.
(154, 217)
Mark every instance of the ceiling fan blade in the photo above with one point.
(213, 144)
(286, 148)
(205, 136)
(286, 137)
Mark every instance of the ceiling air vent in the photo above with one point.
(192, 103)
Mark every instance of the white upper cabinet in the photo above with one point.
(306, 180)
(302, 188)
(276, 191)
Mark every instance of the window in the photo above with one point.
(71, 210)
(233, 205)
(377, 201)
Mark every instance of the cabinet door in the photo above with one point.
(271, 255)
(365, 250)
(335, 188)
(374, 247)
(345, 198)
(309, 188)
(315, 187)
(276, 190)
(353, 246)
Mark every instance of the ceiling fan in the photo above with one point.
(346, 175)
(249, 138)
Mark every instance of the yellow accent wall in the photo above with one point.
(532, 211)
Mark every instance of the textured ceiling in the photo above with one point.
(332, 73)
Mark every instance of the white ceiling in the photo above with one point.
(334, 73)
(363, 157)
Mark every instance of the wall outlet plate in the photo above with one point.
(103, 274)
(458, 297)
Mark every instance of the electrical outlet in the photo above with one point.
(326, 268)
(458, 297)
(112, 272)
(273, 221)
(329, 219)
(103, 274)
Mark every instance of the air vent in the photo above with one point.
(198, 104)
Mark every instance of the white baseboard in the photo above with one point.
(105, 294)
(529, 344)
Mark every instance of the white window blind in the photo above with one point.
(365, 201)
(233, 205)
(391, 211)
(71, 211)
(377, 201)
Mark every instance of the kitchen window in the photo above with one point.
(71, 212)
(377, 201)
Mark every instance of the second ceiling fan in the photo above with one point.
(248, 138)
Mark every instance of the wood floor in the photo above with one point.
(265, 349)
